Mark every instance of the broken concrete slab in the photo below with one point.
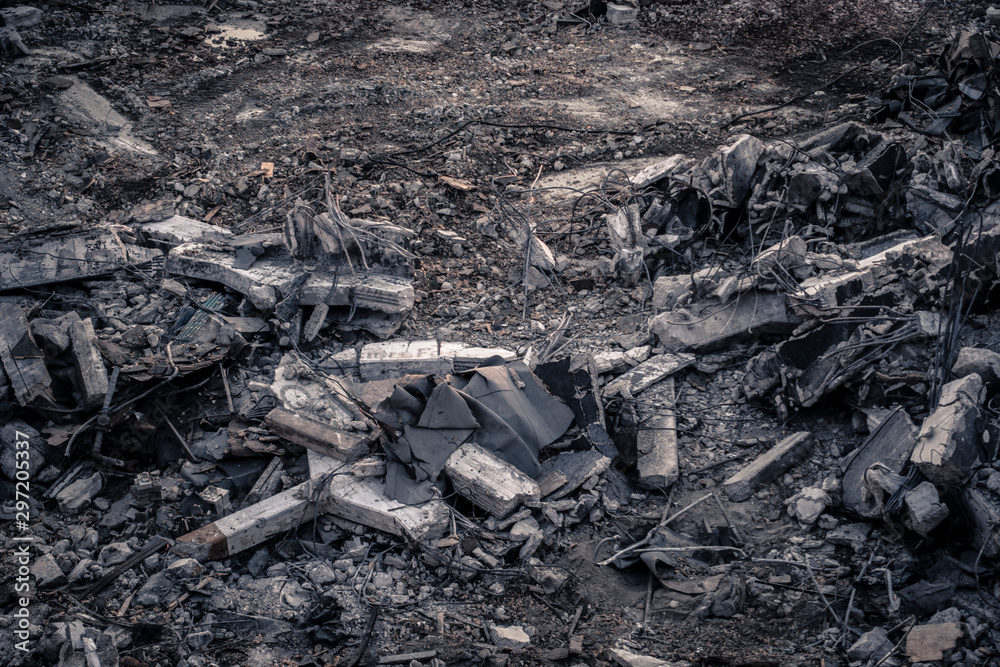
(648, 373)
(509, 637)
(738, 162)
(273, 277)
(364, 501)
(949, 442)
(79, 494)
(705, 327)
(576, 468)
(488, 482)
(626, 658)
(656, 447)
(767, 467)
(658, 171)
(181, 229)
(87, 108)
(91, 374)
(312, 434)
(59, 259)
(817, 296)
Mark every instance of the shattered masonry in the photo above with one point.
(748, 396)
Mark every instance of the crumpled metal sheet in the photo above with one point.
(503, 408)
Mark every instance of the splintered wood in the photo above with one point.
(926, 643)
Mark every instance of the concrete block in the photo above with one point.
(949, 442)
(924, 509)
(979, 360)
(91, 375)
(767, 467)
(488, 482)
(873, 645)
(621, 14)
(79, 494)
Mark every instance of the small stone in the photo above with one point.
(993, 482)
(511, 637)
(873, 645)
(115, 554)
(808, 504)
(85, 570)
(186, 567)
(382, 581)
(524, 529)
(156, 587)
(199, 639)
(47, 572)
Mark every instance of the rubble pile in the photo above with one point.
(232, 444)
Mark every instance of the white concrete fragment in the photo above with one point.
(510, 637)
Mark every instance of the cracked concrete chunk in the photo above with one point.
(979, 360)
(949, 443)
(495, 485)
(79, 494)
(924, 509)
(873, 645)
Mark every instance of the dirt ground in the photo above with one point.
(427, 114)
